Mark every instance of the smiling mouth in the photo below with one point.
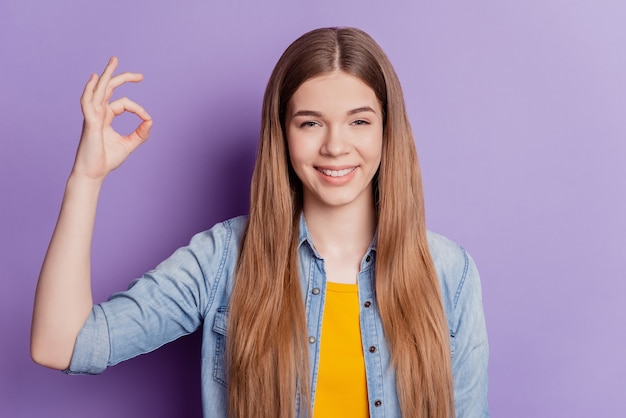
(337, 173)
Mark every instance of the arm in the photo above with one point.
(471, 353)
(63, 298)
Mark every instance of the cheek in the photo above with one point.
(301, 148)
(297, 155)
(374, 147)
(291, 148)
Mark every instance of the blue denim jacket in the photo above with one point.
(192, 289)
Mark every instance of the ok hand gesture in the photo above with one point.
(63, 299)
(101, 148)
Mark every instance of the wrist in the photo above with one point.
(79, 181)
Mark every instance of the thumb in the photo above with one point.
(141, 133)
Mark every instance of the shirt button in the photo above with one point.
(316, 291)
(367, 304)
(378, 403)
(368, 258)
(372, 349)
(312, 339)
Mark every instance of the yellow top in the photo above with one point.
(341, 389)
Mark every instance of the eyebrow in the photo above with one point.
(361, 110)
(307, 113)
(319, 114)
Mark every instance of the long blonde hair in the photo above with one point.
(269, 372)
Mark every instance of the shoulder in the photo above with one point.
(455, 267)
(225, 233)
(469, 346)
(213, 251)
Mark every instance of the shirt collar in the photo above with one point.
(304, 236)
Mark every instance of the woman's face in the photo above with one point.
(334, 131)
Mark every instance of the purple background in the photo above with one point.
(518, 109)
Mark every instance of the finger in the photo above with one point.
(88, 91)
(124, 104)
(103, 81)
(87, 95)
(142, 132)
(120, 79)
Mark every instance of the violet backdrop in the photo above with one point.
(518, 110)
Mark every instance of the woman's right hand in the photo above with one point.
(101, 148)
(63, 299)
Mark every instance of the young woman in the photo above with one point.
(329, 299)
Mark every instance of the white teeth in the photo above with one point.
(337, 173)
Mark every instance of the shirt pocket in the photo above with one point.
(220, 326)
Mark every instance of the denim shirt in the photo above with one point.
(192, 288)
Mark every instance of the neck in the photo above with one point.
(337, 231)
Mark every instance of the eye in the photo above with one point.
(360, 122)
(308, 124)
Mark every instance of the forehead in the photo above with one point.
(338, 91)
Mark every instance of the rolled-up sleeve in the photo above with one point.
(164, 304)
(91, 351)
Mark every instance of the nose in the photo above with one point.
(335, 142)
